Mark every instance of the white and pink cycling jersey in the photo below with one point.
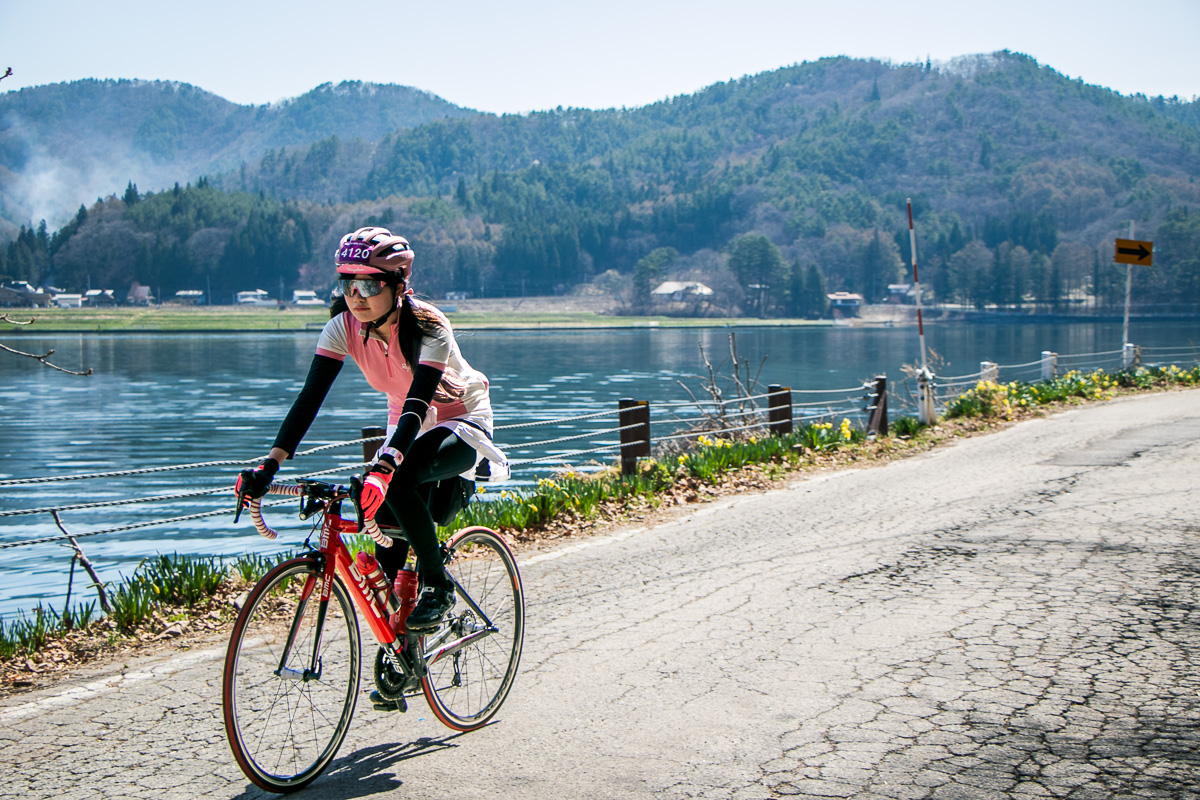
(385, 369)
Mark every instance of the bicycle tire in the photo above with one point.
(284, 731)
(465, 689)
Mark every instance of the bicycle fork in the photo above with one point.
(313, 671)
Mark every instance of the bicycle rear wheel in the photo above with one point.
(285, 726)
(465, 688)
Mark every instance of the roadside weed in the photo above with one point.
(1001, 400)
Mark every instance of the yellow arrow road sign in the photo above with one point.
(1132, 251)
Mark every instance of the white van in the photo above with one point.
(306, 297)
(257, 297)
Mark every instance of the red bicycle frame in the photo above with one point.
(335, 558)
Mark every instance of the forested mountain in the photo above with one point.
(791, 179)
(65, 144)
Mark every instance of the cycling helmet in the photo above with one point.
(374, 252)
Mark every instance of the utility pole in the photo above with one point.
(926, 411)
(1128, 291)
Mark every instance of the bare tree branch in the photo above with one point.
(746, 388)
(44, 361)
(30, 321)
(712, 387)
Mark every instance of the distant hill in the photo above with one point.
(994, 149)
(792, 179)
(66, 144)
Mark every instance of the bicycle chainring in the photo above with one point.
(391, 684)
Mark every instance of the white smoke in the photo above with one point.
(53, 188)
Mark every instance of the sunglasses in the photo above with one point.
(367, 287)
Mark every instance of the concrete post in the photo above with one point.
(989, 371)
(926, 411)
(1049, 365)
(1130, 355)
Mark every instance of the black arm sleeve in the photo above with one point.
(316, 386)
(420, 395)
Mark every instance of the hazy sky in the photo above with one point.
(527, 55)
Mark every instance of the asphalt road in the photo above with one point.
(1011, 616)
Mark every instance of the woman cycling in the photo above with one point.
(439, 413)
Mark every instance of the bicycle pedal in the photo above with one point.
(381, 703)
(400, 705)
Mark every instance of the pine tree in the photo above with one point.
(461, 195)
(816, 299)
(796, 298)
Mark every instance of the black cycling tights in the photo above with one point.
(437, 455)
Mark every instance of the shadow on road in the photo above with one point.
(365, 772)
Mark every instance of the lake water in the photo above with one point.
(158, 400)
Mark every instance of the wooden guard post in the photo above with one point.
(369, 448)
(635, 442)
(779, 409)
(877, 421)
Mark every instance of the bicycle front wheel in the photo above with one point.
(285, 720)
(466, 687)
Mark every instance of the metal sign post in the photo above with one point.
(1130, 252)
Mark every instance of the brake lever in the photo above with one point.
(242, 496)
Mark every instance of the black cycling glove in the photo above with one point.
(254, 483)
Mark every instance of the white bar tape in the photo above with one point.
(259, 524)
(381, 538)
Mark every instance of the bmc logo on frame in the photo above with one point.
(365, 590)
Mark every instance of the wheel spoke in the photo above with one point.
(284, 731)
(467, 689)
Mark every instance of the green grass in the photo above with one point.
(588, 319)
(252, 566)
(234, 318)
(358, 542)
(906, 427)
(162, 318)
(28, 634)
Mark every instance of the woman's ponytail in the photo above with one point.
(413, 323)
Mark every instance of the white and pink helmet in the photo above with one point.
(374, 252)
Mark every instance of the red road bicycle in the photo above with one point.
(291, 676)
